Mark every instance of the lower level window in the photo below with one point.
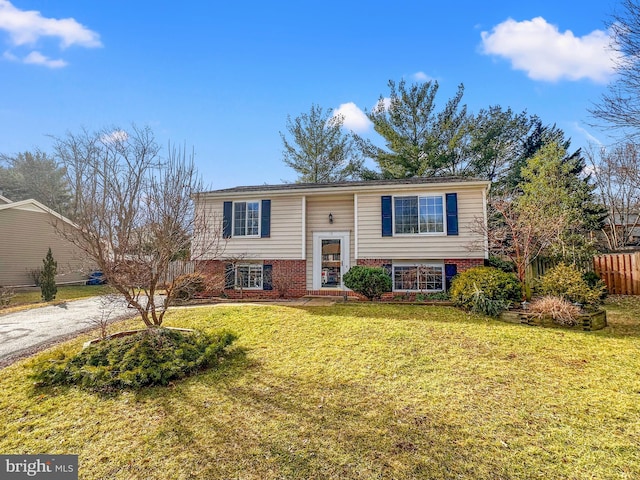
(419, 278)
(249, 276)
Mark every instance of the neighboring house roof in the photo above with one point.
(347, 186)
(34, 206)
(4, 200)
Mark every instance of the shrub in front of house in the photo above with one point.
(485, 290)
(559, 310)
(594, 281)
(371, 282)
(565, 281)
(154, 356)
(187, 286)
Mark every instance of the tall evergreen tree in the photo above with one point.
(419, 140)
(555, 187)
(34, 175)
(319, 151)
(498, 139)
(48, 286)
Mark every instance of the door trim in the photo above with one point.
(345, 252)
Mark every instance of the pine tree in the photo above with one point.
(48, 279)
(318, 150)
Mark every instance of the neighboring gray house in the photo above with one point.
(27, 230)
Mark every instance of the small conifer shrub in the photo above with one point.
(48, 286)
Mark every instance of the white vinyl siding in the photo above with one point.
(469, 243)
(318, 210)
(285, 238)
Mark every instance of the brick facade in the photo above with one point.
(374, 262)
(465, 263)
(288, 278)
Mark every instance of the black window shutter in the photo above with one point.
(387, 223)
(265, 219)
(452, 213)
(388, 268)
(227, 212)
(450, 271)
(267, 271)
(229, 276)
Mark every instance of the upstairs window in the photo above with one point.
(246, 219)
(419, 214)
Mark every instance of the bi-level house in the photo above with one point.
(300, 239)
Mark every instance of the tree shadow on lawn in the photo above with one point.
(278, 426)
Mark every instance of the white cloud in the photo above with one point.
(378, 107)
(586, 134)
(117, 136)
(422, 77)
(36, 58)
(354, 118)
(10, 56)
(545, 53)
(25, 27)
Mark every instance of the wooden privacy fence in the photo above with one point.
(620, 271)
(177, 268)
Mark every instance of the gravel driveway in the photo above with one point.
(26, 332)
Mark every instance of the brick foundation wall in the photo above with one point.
(461, 263)
(374, 262)
(288, 278)
(465, 263)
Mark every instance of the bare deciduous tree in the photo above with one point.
(616, 173)
(517, 233)
(134, 211)
(620, 107)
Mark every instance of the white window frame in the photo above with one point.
(417, 265)
(246, 218)
(418, 196)
(251, 266)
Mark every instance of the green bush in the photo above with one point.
(486, 290)
(594, 281)
(186, 286)
(504, 265)
(154, 356)
(371, 282)
(565, 281)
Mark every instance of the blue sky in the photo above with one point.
(222, 77)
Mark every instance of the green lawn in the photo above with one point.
(358, 392)
(33, 298)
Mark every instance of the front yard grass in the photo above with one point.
(357, 392)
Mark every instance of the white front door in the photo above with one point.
(330, 259)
